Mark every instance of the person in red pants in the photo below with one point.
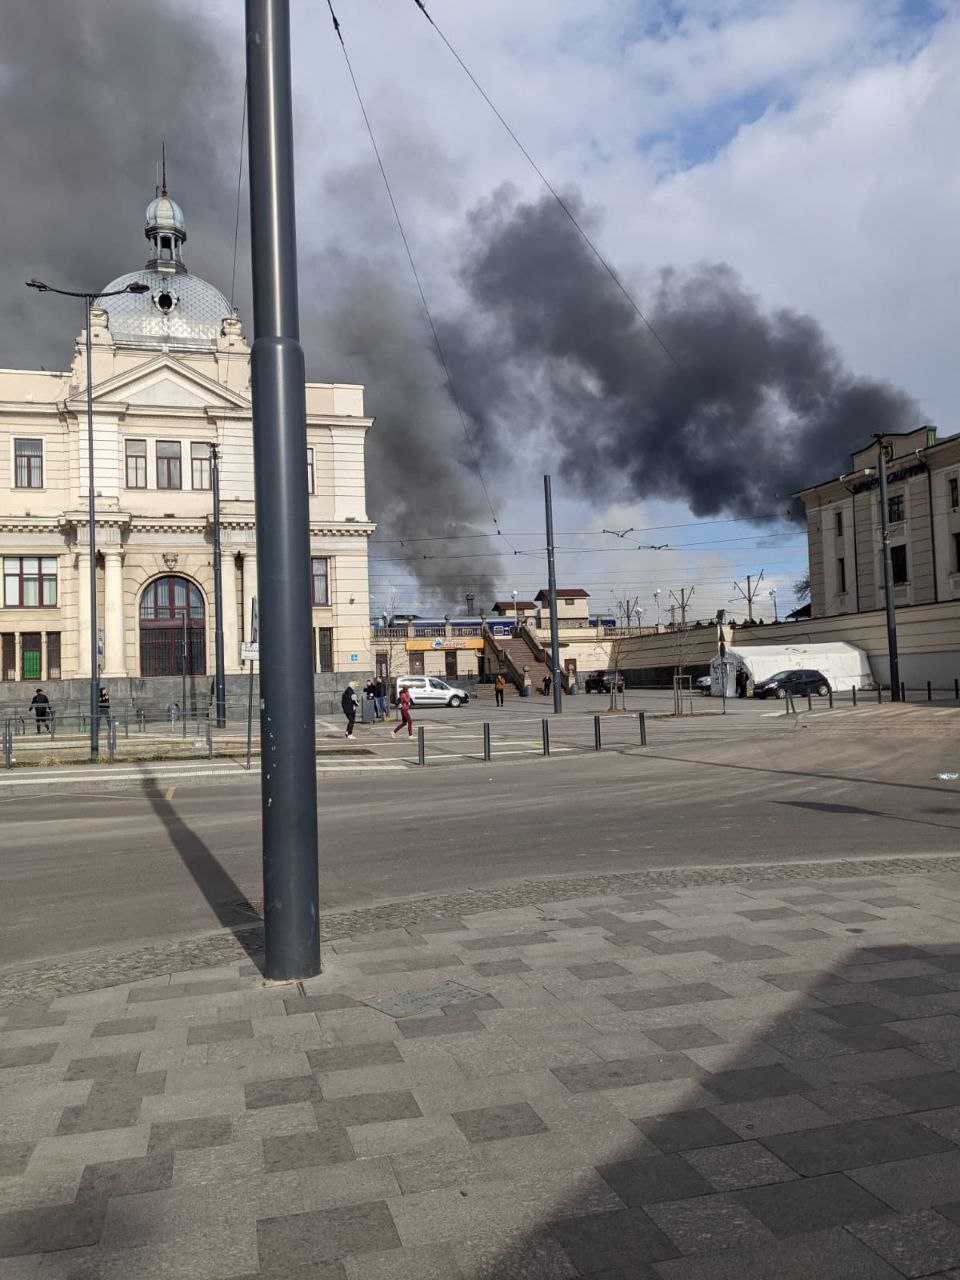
(403, 703)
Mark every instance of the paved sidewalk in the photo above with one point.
(740, 1081)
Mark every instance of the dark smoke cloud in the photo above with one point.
(87, 92)
(757, 405)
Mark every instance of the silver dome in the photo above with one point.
(180, 310)
(165, 214)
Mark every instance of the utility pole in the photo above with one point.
(291, 891)
(219, 679)
(894, 657)
(552, 591)
(683, 601)
(750, 594)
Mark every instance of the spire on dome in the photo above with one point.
(165, 229)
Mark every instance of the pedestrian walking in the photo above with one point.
(403, 705)
(349, 702)
(547, 685)
(499, 685)
(40, 706)
(103, 705)
(368, 693)
(742, 682)
(380, 697)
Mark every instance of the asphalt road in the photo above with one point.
(116, 868)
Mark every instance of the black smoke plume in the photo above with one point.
(752, 406)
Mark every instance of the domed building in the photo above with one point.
(171, 379)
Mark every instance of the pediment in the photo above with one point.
(167, 383)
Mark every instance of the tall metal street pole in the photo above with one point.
(894, 657)
(552, 590)
(219, 679)
(136, 286)
(287, 732)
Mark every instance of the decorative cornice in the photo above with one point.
(27, 524)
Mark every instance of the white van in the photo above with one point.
(430, 691)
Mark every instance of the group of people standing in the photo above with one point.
(43, 712)
(375, 692)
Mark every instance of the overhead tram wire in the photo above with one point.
(416, 276)
(421, 5)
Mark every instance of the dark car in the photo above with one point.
(797, 683)
(602, 682)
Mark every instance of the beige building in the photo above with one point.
(171, 378)
(843, 527)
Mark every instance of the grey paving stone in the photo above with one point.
(945, 1121)
(487, 1124)
(691, 1036)
(597, 969)
(215, 1032)
(32, 1018)
(859, 1013)
(799, 980)
(865, 1068)
(899, 951)
(917, 1244)
(411, 964)
(585, 1076)
(497, 968)
(666, 997)
(916, 1183)
(707, 1222)
(948, 964)
(279, 1093)
(370, 1108)
(742, 1164)
(618, 1238)
(537, 1256)
(503, 940)
(824, 1255)
(123, 1027)
(130, 1177)
(768, 913)
(924, 1093)
(925, 1030)
(654, 1178)
(811, 1204)
(854, 1102)
(751, 1083)
(909, 986)
(303, 1239)
(852, 916)
(328, 1144)
(105, 1067)
(324, 1003)
(801, 1043)
(27, 1055)
(51, 1229)
(351, 1057)
(685, 1130)
(870, 1038)
(113, 1104)
(188, 1135)
(848, 1146)
(459, 1022)
(14, 1157)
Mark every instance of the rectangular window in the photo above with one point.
(136, 458)
(838, 523)
(895, 508)
(954, 492)
(29, 582)
(53, 655)
(200, 465)
(8, 656)
(321, 580)
(31, 655)
(310, 476)
(956, 552)
(168, 465)
(324, 648)
(899, 556)
(28, 463)
(841, 575)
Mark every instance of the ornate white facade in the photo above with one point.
(171, 376)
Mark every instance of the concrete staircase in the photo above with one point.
(514, 656)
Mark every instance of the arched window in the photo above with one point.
(172, 628)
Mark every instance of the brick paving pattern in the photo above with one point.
(743, 1079)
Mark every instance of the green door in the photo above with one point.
(30, 656)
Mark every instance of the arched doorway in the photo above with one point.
(172, 628)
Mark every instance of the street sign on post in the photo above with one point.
(250, 651)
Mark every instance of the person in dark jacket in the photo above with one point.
(104, 705)
(380, 697)
(349, 702)
(40, 706)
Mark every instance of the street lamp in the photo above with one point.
(135, 286)
(219, 678)
(772, 593)
(656, 596)
(516, 612)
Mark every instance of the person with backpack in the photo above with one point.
(349, 703)
(499, 685)
(40, 706)
(403, 706)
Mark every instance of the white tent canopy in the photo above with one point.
(844, 665)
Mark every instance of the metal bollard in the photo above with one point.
(209, 739)
(486, 741)
(126, 722)
(929, 691)
(53, 725)
(830, 698)
(545, 726)
(809, 701)
(111, 740)
(903, 692)
(956, 689)
(421, 746)
(597, 743)
(643, 728)
(7, 746)
(854, 692)
(879, 694)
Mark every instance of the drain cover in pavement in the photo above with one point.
(404, 1003)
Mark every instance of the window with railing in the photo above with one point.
(28, 464)
(29, 582)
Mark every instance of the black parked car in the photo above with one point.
(602, 681)
(799, 683)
